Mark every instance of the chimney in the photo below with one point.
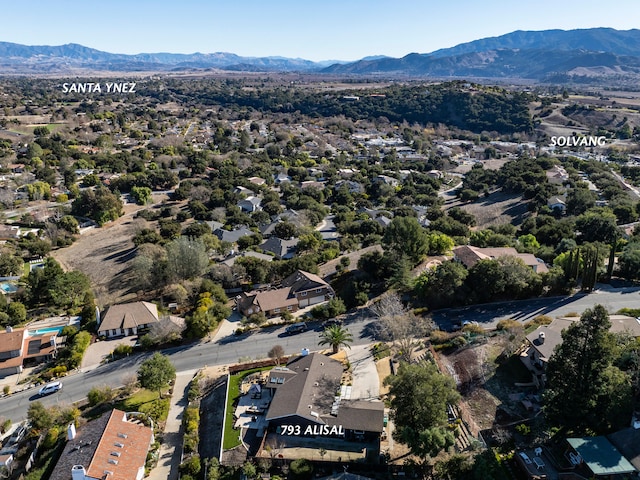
(541, 337)
(78, 472)
(71, 431)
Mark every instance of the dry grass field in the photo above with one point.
(104, 254)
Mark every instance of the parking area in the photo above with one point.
(366, 385)
(100, 349)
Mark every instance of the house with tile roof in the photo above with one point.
(127, 319)
(113, 447)
(20, 348)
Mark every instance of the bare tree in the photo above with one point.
(398, 324)
(276, 353)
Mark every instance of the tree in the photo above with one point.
(439, 287)
(285, 230)
(276, 353)
(597, 226)
(100, 205)
(186, 258)
(39, 417)
(405, 235)
(580, 376)
(398, 324)
(156, 372)
(579, 200)
(10, 265)
(142, 195)
(629, 261)
(336, 336)
(420, 395)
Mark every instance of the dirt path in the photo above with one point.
(104, 255)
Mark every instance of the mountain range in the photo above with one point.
(536, 55)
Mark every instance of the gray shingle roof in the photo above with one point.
(129, 315)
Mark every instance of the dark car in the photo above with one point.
(296, 328)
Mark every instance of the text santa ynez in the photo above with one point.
(327, 430)
(96, 87)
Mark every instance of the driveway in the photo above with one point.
(99, 350)
(366, 385)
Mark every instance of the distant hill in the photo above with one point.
(533, 55)
(556, 55)
(16, 58)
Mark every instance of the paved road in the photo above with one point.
(228, 350)
(221, 352)
(327, 228)
(489, 315)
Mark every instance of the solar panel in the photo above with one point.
(34, 347)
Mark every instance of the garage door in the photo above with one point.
(314, 300)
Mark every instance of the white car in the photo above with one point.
(50, 388)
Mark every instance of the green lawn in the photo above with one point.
(232, 437)
(146, 401)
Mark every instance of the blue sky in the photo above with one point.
(315, 30)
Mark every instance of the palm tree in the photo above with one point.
(336, 336)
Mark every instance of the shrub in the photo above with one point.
(191, 466)
(473, 329)
(98, 395)
(258, 318)
(6, 389)
(439, 337)
(508, 324)
(51, 438)
(6, 425)
(122, 351)
(300, 469)
(523, 429)
(158, 409)
(546, 319)
(459, 341)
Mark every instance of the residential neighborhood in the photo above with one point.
(277, 269)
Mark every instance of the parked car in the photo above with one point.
(50, 388)
(296, 328)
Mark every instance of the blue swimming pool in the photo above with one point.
(8, 287)
(43, 331)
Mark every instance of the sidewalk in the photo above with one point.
(170, 454)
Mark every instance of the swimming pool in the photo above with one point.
(43, 331)
(8, 287)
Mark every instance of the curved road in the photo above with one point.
(222, 352)
(256, 345)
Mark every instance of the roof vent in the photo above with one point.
(541, 336)
(115, 454)
(118, 444)
(122, 435)
(78, 472)
(113, 461)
